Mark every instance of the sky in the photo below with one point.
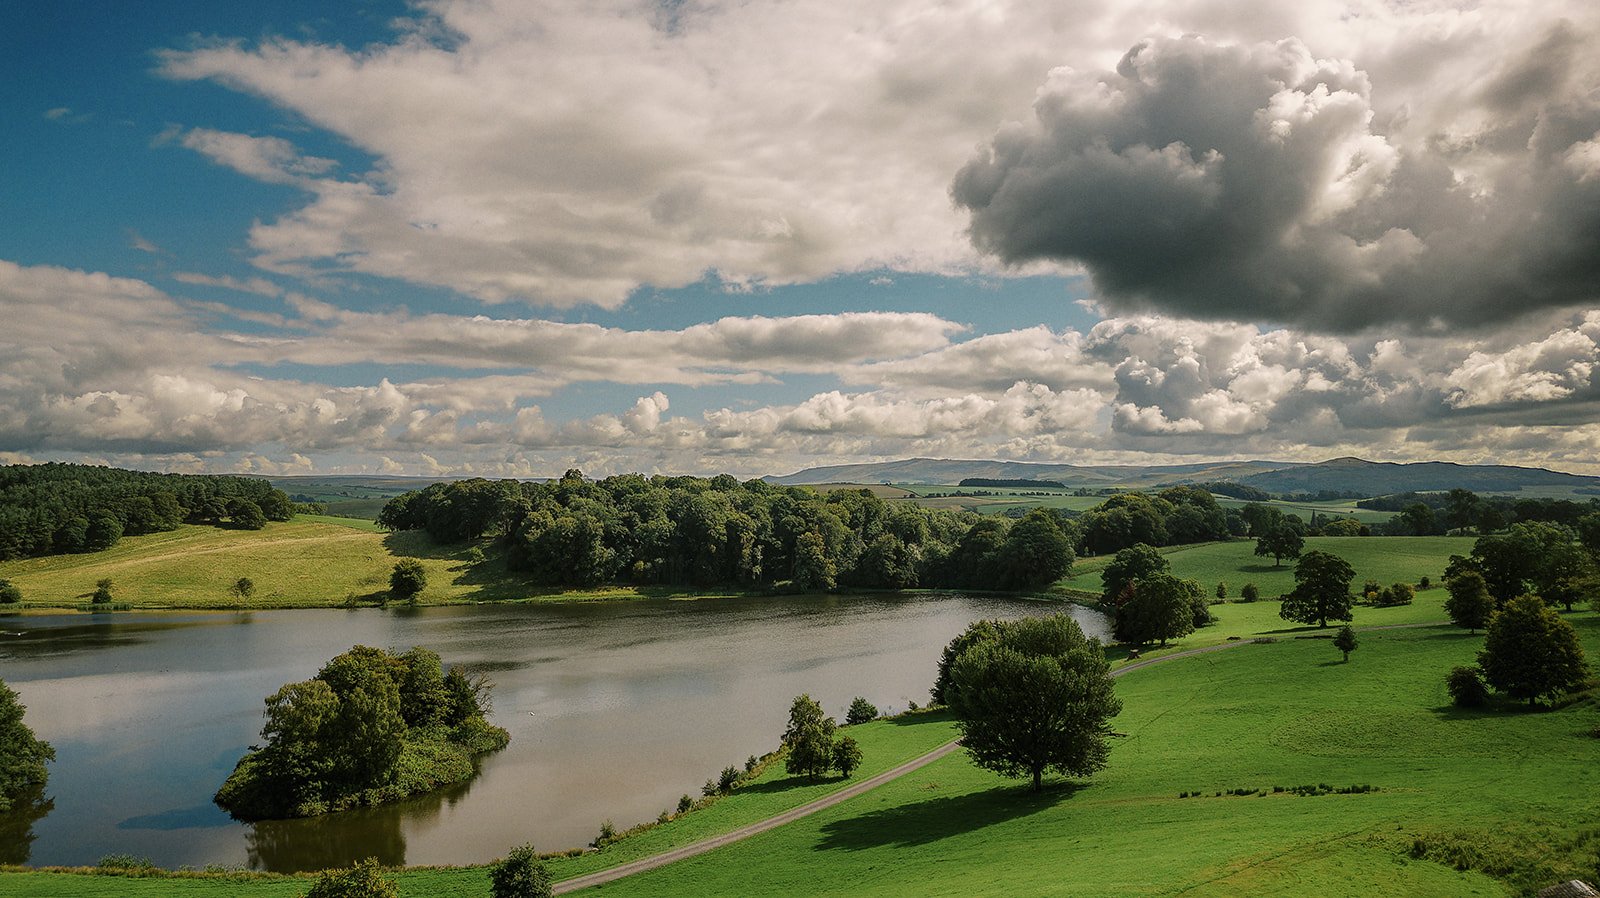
(505, 239)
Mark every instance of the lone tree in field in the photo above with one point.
(1469, 604)
(861, 711)
(242, 588)
(519, 874)
(1322, 590)
(846, 756)
(102, 592)
(1035, 698)
(407, 579)
(1530, 652)
(1159, 608)
(1285, 539)
(1346, 641)
(809, 738)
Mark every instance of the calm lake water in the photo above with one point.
(615, 709)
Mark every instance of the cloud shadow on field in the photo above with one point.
(940, 818)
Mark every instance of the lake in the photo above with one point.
(615, 710)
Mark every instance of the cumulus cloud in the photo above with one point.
(1255, 182)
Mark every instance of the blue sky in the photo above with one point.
(507, 238)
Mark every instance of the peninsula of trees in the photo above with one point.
(54, 508)
(369, 728)
(690, 531)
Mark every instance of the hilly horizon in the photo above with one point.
(1344, 474)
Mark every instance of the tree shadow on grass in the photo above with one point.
(940, 818)
(797, 781)
(418, 544)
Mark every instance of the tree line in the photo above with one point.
(57, 508)
(691, 531)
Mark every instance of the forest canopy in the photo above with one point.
(57, 508)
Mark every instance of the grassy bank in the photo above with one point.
(1513, 785)
(885, 744)
(311, 562)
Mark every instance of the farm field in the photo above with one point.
(1285, 714)
(1387, 559)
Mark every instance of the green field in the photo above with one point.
(1387, 559)
(1517, 785)
(312, 561)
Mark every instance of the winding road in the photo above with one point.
(611, 874)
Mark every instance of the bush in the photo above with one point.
(709, 789)
(1393, 595)
(1466, 687)
(608, 834)
(1249, 593)
(1425, 582)
(407, 579)
(846, 756)
(364, 880)
(242, 588)
(728, 779)
(861, 711)
(685, 804)
(125, 862)
(519, 875)
(102, 592)
(9, 593)
(750, 763)
(474, 555)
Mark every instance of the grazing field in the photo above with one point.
(312, 561)
(1387, 559)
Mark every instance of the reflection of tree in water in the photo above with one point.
(16, 825)
(339, 840)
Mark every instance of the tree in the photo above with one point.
(102, 592)
(246, 515)
(1160, 608)
(1528, 553)
(1465, 685)
(1035, 699)
(813, 569)
(1035, 553)
(1395, 594)
(976, 632)
(1530, 652)
(103, 532)
(1249, 593)
(809, 737)
(861, 711)
(243, 588)
(10, 593)
(407, 579)
(846, 756)
(364, 880)
(1322, 590)
(1346, 641)
(1137, 562)
(1285, 539)
(1222, 592)
(22, 755)
(520, 874)
(1469, 604)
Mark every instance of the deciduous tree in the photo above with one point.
(1322, 590)
(1530, 652)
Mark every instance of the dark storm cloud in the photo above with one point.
(1250, 182)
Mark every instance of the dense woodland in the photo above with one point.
(58, 508)
(690, 531)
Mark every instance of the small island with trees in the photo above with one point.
(370, 728)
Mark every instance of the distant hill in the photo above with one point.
(1341, 474)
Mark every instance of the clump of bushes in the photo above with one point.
(10, 593)
(1393, 595)
(1466, 687)
(125, 862)
(519, 874)
(364, 880)
(1305, 791)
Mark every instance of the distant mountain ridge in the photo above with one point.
(1340, 474)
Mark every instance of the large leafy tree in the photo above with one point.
(1137, 562)
(1035, 699)
(809, 738)
(1530, 652)
(1159, 608)
(1469, 604)
(22, 755)
(1322, 590)
(1284, 538)
(1529, 554)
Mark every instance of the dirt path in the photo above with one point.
(611, 874)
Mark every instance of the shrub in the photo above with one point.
(364, 880)
(1466, 687)
(709, 789)
(519, 874)
(846, 756)
(1393, 595)
(407, 579)
(1249, 593)
(728, 779)
(750, 763)
(1425, 582)
(125, 862)
(9, 593)
(102, 592)
(1370, 590)
(685, 804)
(1222, 592)
(608, 833)
(474, 555)
(242, 588)
(860, 711)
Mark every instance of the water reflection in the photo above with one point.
(615, 709)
